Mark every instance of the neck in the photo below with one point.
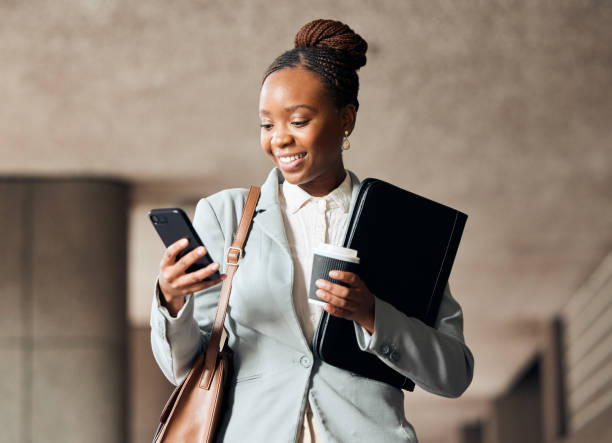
(322, 187)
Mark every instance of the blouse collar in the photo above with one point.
(296, 197)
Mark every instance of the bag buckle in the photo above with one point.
(234, 255)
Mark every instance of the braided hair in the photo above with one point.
(331, 50)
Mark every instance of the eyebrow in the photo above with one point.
(291, 109)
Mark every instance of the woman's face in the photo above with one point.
(302, 131)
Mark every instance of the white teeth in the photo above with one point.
(291, 158)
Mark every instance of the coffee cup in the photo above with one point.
(327, 258)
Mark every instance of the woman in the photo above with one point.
(308, 105)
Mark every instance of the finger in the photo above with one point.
(196, 276)
(172, 251)
(344, 276)
(337, 312)
(339, 302)
(334, 288)
(203, 285)
(179, 268)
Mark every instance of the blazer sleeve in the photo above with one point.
(177, 341)
(436, 359)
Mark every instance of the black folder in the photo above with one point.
(407, 245)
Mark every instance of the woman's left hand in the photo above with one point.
(353, 303)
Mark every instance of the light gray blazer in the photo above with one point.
(275, 370)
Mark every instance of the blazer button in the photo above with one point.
(385, 349)
(306, 361)
(394, 356)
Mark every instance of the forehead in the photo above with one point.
(292, 86)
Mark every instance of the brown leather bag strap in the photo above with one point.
(233, 258)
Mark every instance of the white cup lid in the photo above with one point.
(337, 252)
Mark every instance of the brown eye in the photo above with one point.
(300, 123)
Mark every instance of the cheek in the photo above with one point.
(322, 139)
(264, 141)
(326, 142)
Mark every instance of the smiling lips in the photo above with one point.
(291, 162)
(289, 158)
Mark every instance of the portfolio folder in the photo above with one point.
(407, 245)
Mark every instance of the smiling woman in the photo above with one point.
(308, 107)
(302, 130)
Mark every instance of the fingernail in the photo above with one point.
(333, 274)
(201, 250)
(319, 283)
(215, 265)
(183, 242)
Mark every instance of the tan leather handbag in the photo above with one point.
(192, 412)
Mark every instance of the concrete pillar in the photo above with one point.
(63, 362)
(149, 389)
(472, 433)
(516, 415)
(554, 416)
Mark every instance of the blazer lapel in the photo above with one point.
(269, 218)
(268, 212)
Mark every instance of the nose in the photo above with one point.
(281, 138)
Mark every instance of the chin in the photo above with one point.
(295, 178)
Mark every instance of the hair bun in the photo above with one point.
(335, 35)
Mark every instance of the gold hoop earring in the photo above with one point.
(346, 144)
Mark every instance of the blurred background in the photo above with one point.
(501, 109)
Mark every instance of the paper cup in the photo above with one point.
(329, 257)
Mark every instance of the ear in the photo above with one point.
(348, 115)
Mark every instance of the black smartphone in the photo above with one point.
(173, 224)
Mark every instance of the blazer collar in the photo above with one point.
(268, 213)
(269, 190)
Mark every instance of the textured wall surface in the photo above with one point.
(498, 108)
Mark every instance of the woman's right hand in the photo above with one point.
(174, 283)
